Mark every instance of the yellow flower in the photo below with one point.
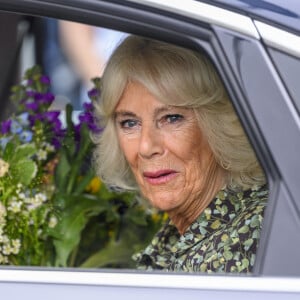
(3, 167)
(158, 217)
(155, 217)
(165, 217)
(94, 185)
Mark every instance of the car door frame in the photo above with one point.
(188, 31)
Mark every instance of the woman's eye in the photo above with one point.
(128, 123)
(174, 118)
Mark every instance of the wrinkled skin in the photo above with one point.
(167, 153)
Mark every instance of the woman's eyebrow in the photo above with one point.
(124, 113)
(157, 111)
(162, 109)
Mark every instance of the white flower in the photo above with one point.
(15, 206)
(36, 201)
(40, 197)
(3, 259)
(41, 154)
(22, 196)
(2, 210)
(48, 147)
(16, 245)
(4, 239)
(7, 249)
(2, 216)
(19, 188)
(4, 166)
(52, 222)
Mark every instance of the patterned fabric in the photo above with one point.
(224, 238)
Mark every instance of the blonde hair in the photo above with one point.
(179, 77)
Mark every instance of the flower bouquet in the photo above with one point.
(54, 210)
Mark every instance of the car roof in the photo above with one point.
(282, 13)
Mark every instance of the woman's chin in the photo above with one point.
(164, 203)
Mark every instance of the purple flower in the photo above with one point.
(30, 94)
(33, 118)
(48, 98)
(44, 98)
(57, 126)
(58, 138)
(93, 93)
(56, 142)
(29, 82)
(51, 115)
(86, 117)
(40, 99)
(45, 79)
(88, 106)
(5, 126)
(38, 96)
(32, 106)
(94, 128)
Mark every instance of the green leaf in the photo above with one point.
(62, 172)
(79, 188)
(9, 151)
(119, 252)
(115, 253)
(24, 151)
(64, 246)
(228, 255)
(18, 93)
(24, 171)
(137, 217)
(73, 220)
(245, 263)
(85, 142)
(248, 243)
(244, 229)
(31, 72)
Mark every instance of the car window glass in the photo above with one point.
(55, 211)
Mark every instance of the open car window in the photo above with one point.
(53, 199)
(105, 234)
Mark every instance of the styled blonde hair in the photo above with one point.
(178, 77)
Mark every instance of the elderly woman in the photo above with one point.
(172, 135)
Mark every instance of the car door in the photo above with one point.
(237, 48)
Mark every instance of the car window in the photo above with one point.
(65, 215)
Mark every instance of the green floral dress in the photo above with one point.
(224, 238)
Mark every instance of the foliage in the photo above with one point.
(54, 210)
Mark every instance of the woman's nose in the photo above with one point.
(151, 142)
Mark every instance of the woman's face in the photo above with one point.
(164, 147)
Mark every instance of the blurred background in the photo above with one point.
(69, 53)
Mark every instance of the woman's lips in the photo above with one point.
(159, 177)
